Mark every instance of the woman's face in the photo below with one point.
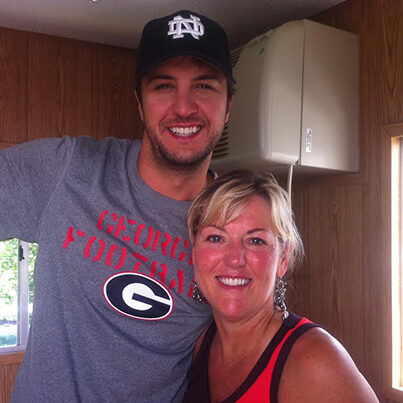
(236, 265)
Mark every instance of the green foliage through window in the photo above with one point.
(9, 254)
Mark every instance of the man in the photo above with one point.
(113, 316)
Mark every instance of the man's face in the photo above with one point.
(184, 109)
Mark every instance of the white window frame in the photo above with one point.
(396, 262)
(392, 279)
(23, 300)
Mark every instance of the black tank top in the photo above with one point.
(262, 383)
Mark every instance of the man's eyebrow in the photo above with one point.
(214, 77)
(153, 77)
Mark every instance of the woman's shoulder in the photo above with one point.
(320, 369)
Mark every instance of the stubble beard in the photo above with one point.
(174, 160)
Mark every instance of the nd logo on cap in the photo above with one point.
(179, 26)
(138, 296)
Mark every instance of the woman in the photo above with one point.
(244, 241)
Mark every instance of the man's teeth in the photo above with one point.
(233, 282)
(184, 131)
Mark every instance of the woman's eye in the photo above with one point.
(214, 238)
(257, 241)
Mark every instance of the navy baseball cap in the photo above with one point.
(184, 33)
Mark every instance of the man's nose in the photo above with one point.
(184, 104)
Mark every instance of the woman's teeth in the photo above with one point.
(233, 281)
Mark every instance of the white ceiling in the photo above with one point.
(119, 22)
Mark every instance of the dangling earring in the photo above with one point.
(279, 297)
(197, 294)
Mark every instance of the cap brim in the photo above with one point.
(194, 55)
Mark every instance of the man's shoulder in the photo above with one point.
(87, 147)
(106, 142)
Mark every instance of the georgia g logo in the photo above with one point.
(138, 296)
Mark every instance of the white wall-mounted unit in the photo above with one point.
(296, 101)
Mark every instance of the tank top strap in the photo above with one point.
(263, 381)
(284, 349)
(199, 388)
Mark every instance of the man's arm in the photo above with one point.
(29, 174)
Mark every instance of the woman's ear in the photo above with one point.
(283, 260)
(193, 257)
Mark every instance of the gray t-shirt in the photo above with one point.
(113, 317)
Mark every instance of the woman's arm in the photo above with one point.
(319, 369)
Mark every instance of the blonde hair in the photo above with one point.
(226, 198)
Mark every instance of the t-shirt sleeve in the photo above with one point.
(29, 174)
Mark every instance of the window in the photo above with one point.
(16, 293)
(397, 262)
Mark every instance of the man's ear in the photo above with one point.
(228, 111)
(139, 107)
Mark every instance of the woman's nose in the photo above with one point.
(235, 256)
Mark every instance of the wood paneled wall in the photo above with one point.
(50, 87)
(9, 364)
(340, 217)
